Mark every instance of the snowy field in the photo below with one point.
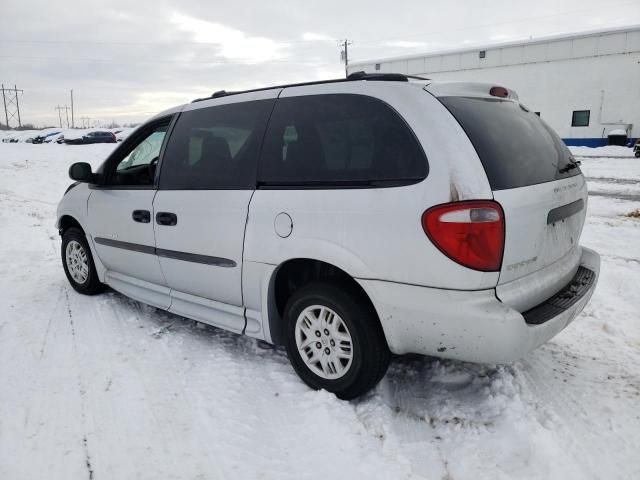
(106, 388)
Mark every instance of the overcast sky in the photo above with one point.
(127, 60)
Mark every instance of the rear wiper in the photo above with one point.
(573, 163)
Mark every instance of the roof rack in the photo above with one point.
(355, 76)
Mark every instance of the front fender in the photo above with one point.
(74, 204)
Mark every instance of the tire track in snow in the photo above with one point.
(573, 392)
(50, 320)
(81, 390)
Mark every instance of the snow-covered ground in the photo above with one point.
(106, 388)
(610, 151)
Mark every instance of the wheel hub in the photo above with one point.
(77, 261)
(324, 342)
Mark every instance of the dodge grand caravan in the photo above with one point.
(346, 220)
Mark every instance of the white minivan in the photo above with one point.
(346, 219)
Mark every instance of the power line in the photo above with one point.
(174, 62)
(11, 104)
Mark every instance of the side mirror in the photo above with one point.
(81, 172)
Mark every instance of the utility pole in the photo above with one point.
(344, 54)
(11, 104)
(73, 123)
(15, 89)
(59, 116)
(4, 100)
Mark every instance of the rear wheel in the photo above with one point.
(637, 154)
(78, 263)
(334, 340)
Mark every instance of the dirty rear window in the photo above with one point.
(516, 147)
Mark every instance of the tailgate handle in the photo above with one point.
(564, 211)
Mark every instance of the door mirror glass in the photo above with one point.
(81, 172)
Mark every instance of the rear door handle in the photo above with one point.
(166, 218)
(142, 216)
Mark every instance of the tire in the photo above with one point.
(346, 316)
(85, 282)
(637, 154)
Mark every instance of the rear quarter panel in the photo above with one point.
(377, 233)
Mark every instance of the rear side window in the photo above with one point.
(339, 140)
(215, 147)
(516, 147)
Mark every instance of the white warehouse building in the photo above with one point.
(584, 85)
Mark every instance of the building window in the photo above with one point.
(580, 118)
(483, 53)
(377, 67)
(537, 113)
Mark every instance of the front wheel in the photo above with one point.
(637, 153)
(334, 340)
(78, 263)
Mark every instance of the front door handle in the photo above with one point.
(166, 218)
(142, 216)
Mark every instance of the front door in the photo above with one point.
(207, 179)
(120, 218)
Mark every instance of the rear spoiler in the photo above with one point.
(470, 89)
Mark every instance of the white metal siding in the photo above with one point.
(599, 72)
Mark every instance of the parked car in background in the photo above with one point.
(346, 220)
(124, 133)
(636, 149)
(20, 136)
(97, 136)
(45, 136)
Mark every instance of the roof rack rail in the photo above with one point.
(355, 76)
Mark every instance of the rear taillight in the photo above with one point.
(471, 233)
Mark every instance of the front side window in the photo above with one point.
(339, 140)
(137, 166)
(215, 147)
(580, 118)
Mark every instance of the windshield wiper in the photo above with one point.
(573, 163)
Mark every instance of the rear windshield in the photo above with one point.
(516, 147)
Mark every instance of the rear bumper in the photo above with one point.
(466, 325)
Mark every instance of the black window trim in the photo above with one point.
(576, 171)
(254, 184)
(116, 155)
(339, 184)
(573, 118)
